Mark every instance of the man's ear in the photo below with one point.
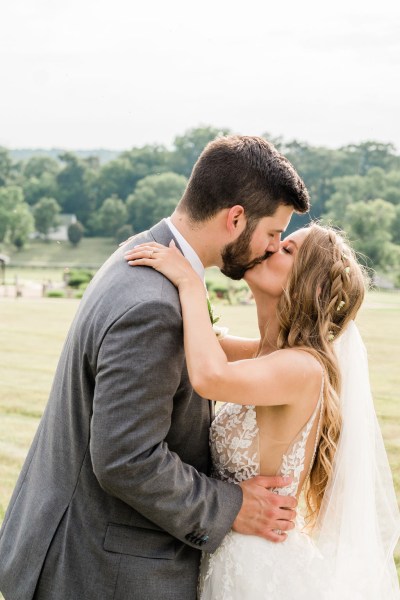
(236, 219)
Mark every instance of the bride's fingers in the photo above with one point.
(144, 247)
(143, 262)
(150, 245)
(143, 252)
(152, 251)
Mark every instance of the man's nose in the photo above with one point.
(274, 244)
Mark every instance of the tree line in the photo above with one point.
(356, 187)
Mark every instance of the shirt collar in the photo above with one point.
(187, 250)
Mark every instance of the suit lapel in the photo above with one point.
(162, 234)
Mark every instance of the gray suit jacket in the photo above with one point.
(114, 501)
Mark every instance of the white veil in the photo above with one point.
(359, 521)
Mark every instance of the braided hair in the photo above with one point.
(324, 292)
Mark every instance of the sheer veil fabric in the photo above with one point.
(349, 554)
(359, 521)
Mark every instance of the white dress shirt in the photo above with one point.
(187, 250)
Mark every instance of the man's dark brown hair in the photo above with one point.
(245, 170)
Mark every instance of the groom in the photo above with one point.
(114, 501)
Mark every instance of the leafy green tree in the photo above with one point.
(337, 176)
(367, 155)
(75, 233)
(44, 186)
(118, 178)
(21, 225)
(146, 160)
(188, 147)
(74, 182)
(396, 226)
(111, 216)
(123, 233)
(355, 188)
(347, 190)
(392, 187)
(154, 198)
(318, 167)
(38, 178)
(369, 226)
(5, 166)
(11, 198)
(45, 213)
(36, 166)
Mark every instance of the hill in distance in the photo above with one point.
(104, 156)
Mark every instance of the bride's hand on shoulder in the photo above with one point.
(168, 260)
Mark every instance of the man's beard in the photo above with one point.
(236, 255)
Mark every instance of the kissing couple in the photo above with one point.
(132, 490)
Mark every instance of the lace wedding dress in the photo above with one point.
(248, 567)
(350, 553)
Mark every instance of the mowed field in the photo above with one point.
(32, 334)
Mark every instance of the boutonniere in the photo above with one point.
(220, 332)
(213, 319)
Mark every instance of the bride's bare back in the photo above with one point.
(247, 441)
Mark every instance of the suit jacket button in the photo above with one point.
(190, 537)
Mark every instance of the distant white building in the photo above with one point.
(60, 233)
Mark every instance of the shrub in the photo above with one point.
(77, 277)
(75, 233)
(123, 233)
(55, 294)
(219, 289)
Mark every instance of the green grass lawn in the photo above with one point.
(42, 262)
(32, 334)
(91, 252)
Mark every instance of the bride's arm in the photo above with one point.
(279, 378)
(238, 348)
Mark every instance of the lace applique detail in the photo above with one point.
(248, 566)
(234, 443)
(234, 447)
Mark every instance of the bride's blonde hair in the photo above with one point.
(326, 287)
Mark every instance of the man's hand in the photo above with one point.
(263, 512)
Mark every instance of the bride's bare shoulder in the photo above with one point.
(298, 367)
(297, 358)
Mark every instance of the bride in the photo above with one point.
(297, 402)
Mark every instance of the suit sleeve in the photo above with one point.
(138, 372)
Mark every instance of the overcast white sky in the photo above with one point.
(89, 73)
